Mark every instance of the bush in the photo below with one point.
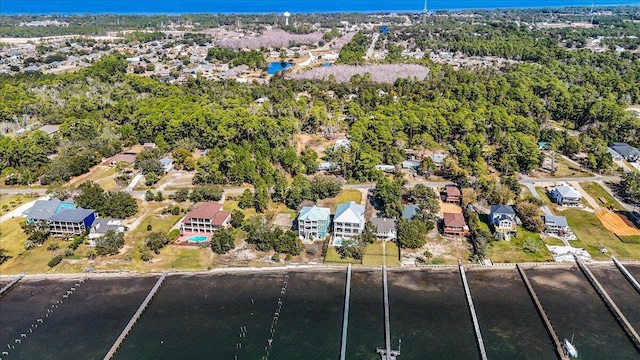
(174, 234)
(68, 252)
(55, 261)
(156, 241)
(28, 245)
(53, 246)
(91, 255)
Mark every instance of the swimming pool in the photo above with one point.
(197, 238)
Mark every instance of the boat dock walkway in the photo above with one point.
(9, 285)
(472, 309)
(626, 274)
(622, 320)
(543, 315)
(135, 317)
(345, 315)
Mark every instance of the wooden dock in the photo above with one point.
(547, 324)
(387, 353)
(135, 317)
(472, 310)
(615, 311)
(345, 315)
(627, 274)
(9, 285)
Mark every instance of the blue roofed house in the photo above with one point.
(410, 211)
(71, 221)
(504, 220)
(313, 222)
(44, 209)
(348, 221)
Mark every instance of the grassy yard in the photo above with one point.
(10, 202)
(344, 196)
(596, 191)
(544, 196)
(29, 261)
(592, 235)
(565, 168)
(548, 240)
(332, 257)
(103, 175)
(373, 254)
(631, 239)
(513, 251)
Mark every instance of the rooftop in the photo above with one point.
(349, 212)
(454, 220)
(72, 215)
(210, 210)
(314, 213)
(384, 225)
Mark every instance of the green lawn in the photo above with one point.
(553, 241)
(596, 191)
(29, 261)
(343, 196)
(373, 254)
(10, 202)
(332, 257)
(512, 251)
(631, 239)
(565, 168)
(544, 196)
(592, 235)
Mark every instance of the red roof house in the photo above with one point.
(454, 224)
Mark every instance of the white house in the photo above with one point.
(566, 195)
(349, 220)
(100, 227)
(556, 225)
(504, 220)
(167, 164)
(385, 228)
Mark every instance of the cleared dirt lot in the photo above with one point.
(616, 223)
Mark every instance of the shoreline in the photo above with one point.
(302, 268)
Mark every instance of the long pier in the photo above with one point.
(345, 315)
(9, 285)
(387, 353)
(135, 317)
(543, 315)
(615, 311)
(472, 310)
(626, 274)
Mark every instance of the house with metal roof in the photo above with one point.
(313, 223)
(385, 228)
(410, 211)
(349, 220)
(627, 151)
(566, 195)
(71, 221)
(504, 220)
(556, 225)
(100, 227)
(44, 209)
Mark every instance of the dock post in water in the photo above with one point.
(615, 311)
(9, 285)
(345, 316)
(135, 317)
(543, 315)
(472, 310)
(626, 274)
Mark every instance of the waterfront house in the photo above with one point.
(349, 220)
(44, 209)
(205, 218)
(100, 227)
(454, 224)
(313, 223)
(504, 220)
(385, 228)
(410, 211)
(71, 221)
(566, 195)
(452, 194)
(556, 225)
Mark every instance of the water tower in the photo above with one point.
(286, 18)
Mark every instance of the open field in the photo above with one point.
(344, 196)
(513, 251)
(103, 175)
(616, 223)
(28, 261)
(332, 257)
(592, 235)
(596, 191)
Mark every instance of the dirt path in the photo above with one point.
(590, 200)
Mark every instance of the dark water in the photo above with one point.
(574, 308)
(10, 7)
(510, 325)
(430, 315)
(223, 316)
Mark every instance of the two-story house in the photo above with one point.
(556, 225)
(71, 221)
(566, 195)
(454, 224)
(313, 222)
(349, 220)
(385, 228)
(205, 218)
(504, 220)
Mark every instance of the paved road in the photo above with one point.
(527, 179)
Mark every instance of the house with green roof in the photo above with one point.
(313, 223)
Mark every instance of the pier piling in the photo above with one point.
(626, 274)
(474, 317)
(135, 318)
(543, 315)
(615, 311)
(345, 315)
(9, 285)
